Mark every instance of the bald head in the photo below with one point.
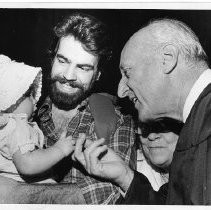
(159, 65)
(140, 46)
(169, 31)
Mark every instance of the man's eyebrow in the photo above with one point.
(63, 57)
(79, 65)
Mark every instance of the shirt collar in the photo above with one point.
(45, 110)
(196, 90)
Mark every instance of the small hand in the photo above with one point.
(66, 144)
(3, 120)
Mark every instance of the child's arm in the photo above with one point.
(39, 161)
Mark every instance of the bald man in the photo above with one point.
(165, 73)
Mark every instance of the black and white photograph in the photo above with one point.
(105, 103)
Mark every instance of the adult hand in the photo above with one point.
(78, 154)
(101, 161)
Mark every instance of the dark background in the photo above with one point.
(26, 34)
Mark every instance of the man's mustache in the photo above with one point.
(63, 80)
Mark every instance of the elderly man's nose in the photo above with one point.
(153, 136)
(70, 73)
(122, 88)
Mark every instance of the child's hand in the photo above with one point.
(65, 144)
(3, 120)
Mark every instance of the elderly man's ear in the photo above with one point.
(98, 75)
(169, 58)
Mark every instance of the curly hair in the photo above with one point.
(91, 32)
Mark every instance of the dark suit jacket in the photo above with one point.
(141, 192)
(190, 173)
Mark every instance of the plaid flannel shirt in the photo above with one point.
(94, 190)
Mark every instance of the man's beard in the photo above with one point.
(67, 101)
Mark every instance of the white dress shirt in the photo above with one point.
(201, 83)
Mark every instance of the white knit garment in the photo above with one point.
(15, 80)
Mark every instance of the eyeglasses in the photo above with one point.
(161, 125)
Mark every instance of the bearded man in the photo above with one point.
(80, 53)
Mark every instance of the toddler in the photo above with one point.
(22, 156)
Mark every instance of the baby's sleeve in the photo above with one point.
(7, 125)
(25, 137)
